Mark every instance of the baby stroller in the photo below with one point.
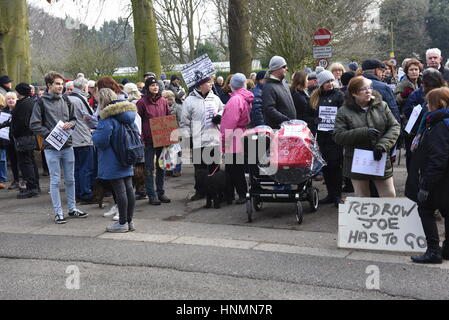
(281, 167)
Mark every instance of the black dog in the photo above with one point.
(215, 186)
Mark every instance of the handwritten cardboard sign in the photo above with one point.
(162, 129)
(390, 224)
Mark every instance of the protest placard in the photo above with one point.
(162, 129)
(327, 115)
(58, 137)
(197, 70)
(390, 224)
(4, 133)
(363, 163)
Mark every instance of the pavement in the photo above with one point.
(182, 251)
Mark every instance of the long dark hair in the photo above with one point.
(432, 79)
(299, 80)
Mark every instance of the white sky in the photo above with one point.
(89, 12)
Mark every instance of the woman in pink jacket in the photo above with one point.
(235, 120)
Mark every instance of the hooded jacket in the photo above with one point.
(82, 136)
(235, 120)
(112, 117)
(55, 110)
(351, 131)
(149, 108)
(278, 105)
(430, 171)
(197, 115)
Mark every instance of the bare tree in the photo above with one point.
(221, 37)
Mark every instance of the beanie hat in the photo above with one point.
(261, 75)
(149, 82)
(318, 70)
(308, 70)
(324, 77)
(174, 77)
(203, 81)
(238, 81)
(277, 63)
(353, 66)
(23, 89)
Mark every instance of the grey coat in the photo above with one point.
(82, 136)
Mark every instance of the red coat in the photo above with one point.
(150, 108)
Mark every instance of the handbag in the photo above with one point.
(26, 143)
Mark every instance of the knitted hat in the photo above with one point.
(324, 77)
(149, 82)
(277, 63)
(353, 66)
(261, 75)
(308, 70)
(238, 81)
(203, 81)
(318, 70)
(23, 89)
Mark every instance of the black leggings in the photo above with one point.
(126, 201)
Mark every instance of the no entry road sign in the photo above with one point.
(322, 37)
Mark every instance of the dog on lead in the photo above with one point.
(216, 187)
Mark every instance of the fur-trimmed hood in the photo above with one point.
(376, 101)
(123, 111)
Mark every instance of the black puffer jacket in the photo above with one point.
(278, 105)
(430, 170)
(330, 150)
(303, 110)
(20, 122)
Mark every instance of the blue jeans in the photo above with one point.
(3, 166)
(84, 166)
(66, 159)
(150, 155)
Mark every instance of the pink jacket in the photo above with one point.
(235, 120)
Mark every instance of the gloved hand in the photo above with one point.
(378, 153)
(373, 133)
(423, 195)
(216, 120)
(317, 120)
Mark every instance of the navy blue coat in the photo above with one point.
(257, 117)
(386, 93)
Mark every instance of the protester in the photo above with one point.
(374, 70)
(201, 116)
(47, 112)
(140, 86)
(153, 105)
(337, 70)
(17, 184)
(159, 82)
(328, 95)
(5, 85)
(435, 60)
(236, 118)
(3, 147)
(114, 114)
(429, 184)
(345, 79)
(410, 83)
(365, 122)
(353, 66)
(175, 109)
(278, 105)
(391, 74)
(301, 99)
(257, 117)
(69, 86)
(83, 146)
(110, 83)
(133, 93)
(226, 90)
(176, 88)
(312, 84)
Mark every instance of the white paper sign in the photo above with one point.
(58, 137)
(197, 70)
(381, 224)
(364, 163)
(413, 118)
(4, 133)
(328, 115)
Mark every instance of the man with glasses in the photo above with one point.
(374, 70)
(277, 99)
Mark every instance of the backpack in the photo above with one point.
(128, 146)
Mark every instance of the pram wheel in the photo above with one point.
(249, 210)
(299, 212)
(312, 197)
(257, 204)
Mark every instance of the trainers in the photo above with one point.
(28, 194)
(60, 220)
(14, 185)
(164, 199)
(118, 228)
(131, 227)
(154, 202)
(112, 212)
(78, 214)
(116, 217)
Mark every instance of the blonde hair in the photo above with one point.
(168, 94)
(11, 94)
(105, 97)
(335, 66)
(315, 98)
(132, 91)
(2, 101)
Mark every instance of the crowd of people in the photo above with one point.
(375, 102)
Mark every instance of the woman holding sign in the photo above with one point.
(325, 102)
(365, 123)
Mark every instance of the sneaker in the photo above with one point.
(60, 220)
(164, 199)
(131, 227)
(154, 202)
(112, 212)
(116, 217)
(118, 228)
(28, 194)
(14, 185)
(78, 214)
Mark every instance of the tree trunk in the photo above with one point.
(145, 37)
(15, 41)
(239, 37)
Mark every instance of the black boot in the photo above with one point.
(445, 253)
(432, 256)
